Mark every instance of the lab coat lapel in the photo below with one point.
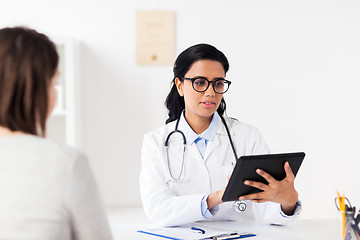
(211, 146)
(194, 152)
(220, 145)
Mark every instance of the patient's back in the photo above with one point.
(47, 191)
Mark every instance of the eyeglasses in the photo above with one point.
(201, 84)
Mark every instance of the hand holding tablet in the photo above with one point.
(265, 178)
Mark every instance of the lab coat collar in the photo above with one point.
(208, 134)
(221, 129)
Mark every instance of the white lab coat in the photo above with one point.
(168, 203)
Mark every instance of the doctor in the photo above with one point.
(186, 163)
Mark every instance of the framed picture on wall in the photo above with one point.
(155, 36)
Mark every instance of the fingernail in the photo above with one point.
(241, 198)
(258, 170)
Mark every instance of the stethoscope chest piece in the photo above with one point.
(239, 206)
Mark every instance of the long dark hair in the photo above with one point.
(174, 102)
(28, 61)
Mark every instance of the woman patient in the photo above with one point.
(47, 191)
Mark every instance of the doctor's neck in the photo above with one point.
(198, 123)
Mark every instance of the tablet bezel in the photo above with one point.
(245, 169)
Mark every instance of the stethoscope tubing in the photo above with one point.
(179, 178)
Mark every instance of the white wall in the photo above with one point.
(294, 67)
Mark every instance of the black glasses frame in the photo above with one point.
(208, 82)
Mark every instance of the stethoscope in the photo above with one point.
(239, 206)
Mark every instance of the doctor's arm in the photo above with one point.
(162, 206)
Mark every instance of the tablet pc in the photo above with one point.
(245, 169)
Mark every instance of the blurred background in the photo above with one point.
(294, 67)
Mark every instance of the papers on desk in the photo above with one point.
(185, 232)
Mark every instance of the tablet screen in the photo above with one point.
(245, 169)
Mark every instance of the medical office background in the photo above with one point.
(294, 67)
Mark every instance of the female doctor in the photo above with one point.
(187, 162)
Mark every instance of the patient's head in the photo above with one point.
(28, 72)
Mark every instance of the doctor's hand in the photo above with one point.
(282, 192)
(214, 198)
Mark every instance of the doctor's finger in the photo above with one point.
(265, 175)
(258, 185)
(260, 195)
(289, 172)
(260, 200)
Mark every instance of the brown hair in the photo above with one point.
(28, 61)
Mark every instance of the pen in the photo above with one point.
(198, 230)
(342, 210)
(232, 236)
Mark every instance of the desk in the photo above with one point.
(124, 223)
